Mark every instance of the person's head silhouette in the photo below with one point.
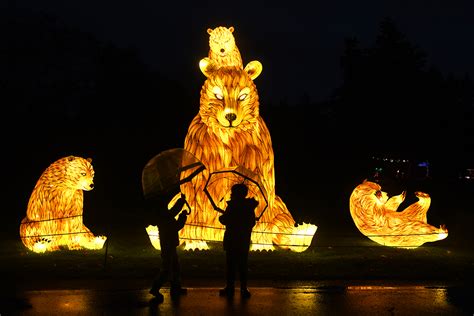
(239, 191)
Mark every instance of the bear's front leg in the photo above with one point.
(281, 231)
(88, 240)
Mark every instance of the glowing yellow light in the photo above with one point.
(152, 232)
(376, 216)
(222, 48)
(227, 132)
(54, 214)
(303, 235)
(39, 247)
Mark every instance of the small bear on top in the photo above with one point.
(222, 48)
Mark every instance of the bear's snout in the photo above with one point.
(87, 186)
(230, 117)
(222, 50)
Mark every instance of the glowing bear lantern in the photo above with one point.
(376, 216)
(54, 214)
(229, 132)
(223, 50)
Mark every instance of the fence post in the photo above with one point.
(106, 253)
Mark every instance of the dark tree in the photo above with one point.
(64, 92)
(395, 101)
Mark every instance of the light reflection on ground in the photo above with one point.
(320, 300)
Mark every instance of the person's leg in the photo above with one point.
(243, 270)
(163, 274)
(231, 269)
(230, 273)
(174, 271)
(176, 288)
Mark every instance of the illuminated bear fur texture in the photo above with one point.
(54, 214)
(227, 132)
(223, 50)
(376, 216)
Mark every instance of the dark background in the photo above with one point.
(344, 85)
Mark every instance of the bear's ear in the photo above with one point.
(89, 160)
(231, 29)
(209, 31)
(207, 66)
(254, 69)
(71, 158)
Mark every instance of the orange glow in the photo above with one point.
(228, 132)
(376, 216)
(227, 178)
(222, 47)
(54, 214)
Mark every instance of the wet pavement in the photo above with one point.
(299, 298)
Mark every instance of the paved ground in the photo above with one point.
(131, 297)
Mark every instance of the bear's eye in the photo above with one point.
(218, 93)
(243, 96)
(83, 174)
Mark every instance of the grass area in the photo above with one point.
(339, 250)
(351, 259)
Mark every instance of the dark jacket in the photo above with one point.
(239, 219)
(168, 226)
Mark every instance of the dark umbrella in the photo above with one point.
(168, 170)
(226, 178)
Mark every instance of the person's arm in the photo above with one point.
(178, 206)
(250, 220)
(181, 220)
(223, 219)
(253, 204)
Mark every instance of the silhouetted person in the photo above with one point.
(168, 229)
(239, 219)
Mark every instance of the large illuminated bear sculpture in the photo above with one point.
(376, 216)
(227, 132)
(54, 214)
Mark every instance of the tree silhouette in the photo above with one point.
(391, 96)
(65, 92)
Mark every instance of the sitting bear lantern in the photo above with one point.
(229, 132)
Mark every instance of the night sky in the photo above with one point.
(119, 82)
(299, 42)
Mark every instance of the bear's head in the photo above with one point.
(70, 172)
(221, 40)
(79, 173)
(229, 97)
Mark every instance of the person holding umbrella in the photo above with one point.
(239, 219)
(161, 179)
(168, 229)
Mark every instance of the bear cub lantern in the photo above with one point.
(54, 214)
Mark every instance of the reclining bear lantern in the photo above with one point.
(376, 216)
